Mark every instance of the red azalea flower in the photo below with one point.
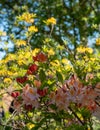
(21, 79)
(28, 107)
(42, 92)
(41, 57)
(35, 58)
(33, 68)
(15, 94)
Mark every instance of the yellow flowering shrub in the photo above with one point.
(20, 42)
(82, 49)
(27, 17)
(35, 51)
(51, 52)
(51, 20)
(55, 63)
(3, 73)
(32, 29)
(89, 50)
(65, 61)
(7, 80)
(50, 65)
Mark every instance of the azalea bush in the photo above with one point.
(53, 86)
(48, 99)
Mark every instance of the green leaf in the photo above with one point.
(8, 128)
(42, 75)
(38, 125)
(85, 113)
(59, 76)
(25, 128)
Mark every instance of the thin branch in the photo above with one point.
(76, 115)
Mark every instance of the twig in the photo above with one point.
(76, 115)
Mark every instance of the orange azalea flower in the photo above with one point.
(41, 57)
(91, 105)
(37, 83)
(33, 68)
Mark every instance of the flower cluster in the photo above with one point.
(82, 49)
(72, 91)
(30, 95)
(40, 57)
(20, 43)
(27, 17)
(32, 29)
(51, 20)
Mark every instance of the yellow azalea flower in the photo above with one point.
(21, 56)
(51, 20)
(51, 52)
(98, 41)
(35, 51)
(15, 74)
(82, 49)
(21, 62)
(92, 59)
(89, 50)
(11, 57)
(30, 125)
(32, 29)
(7, 80)
(21, 42)
(3, 61)
(68, 67)
(55, 63)
(27, 17)
(64, 61)
(9, 73)
(85, 58)
(28, 54)
(3, 72)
